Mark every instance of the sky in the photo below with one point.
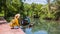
(36, 1)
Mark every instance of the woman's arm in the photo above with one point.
(16, 21)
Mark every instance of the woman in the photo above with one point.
(14, 22)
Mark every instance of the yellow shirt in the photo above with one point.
(14, 22)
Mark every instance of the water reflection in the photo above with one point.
(29, 31)
(43, 27)
(41, 32)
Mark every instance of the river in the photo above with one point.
(43, 27)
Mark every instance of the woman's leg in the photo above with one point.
(12, 26)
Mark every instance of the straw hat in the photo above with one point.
(17, 15)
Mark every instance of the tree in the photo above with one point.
(3, 7)
(57, 5)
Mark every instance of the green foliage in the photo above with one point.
(17, 6)
(13, 5)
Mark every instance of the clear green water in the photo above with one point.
(43, 27)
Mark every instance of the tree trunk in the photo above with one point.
(48, 4)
